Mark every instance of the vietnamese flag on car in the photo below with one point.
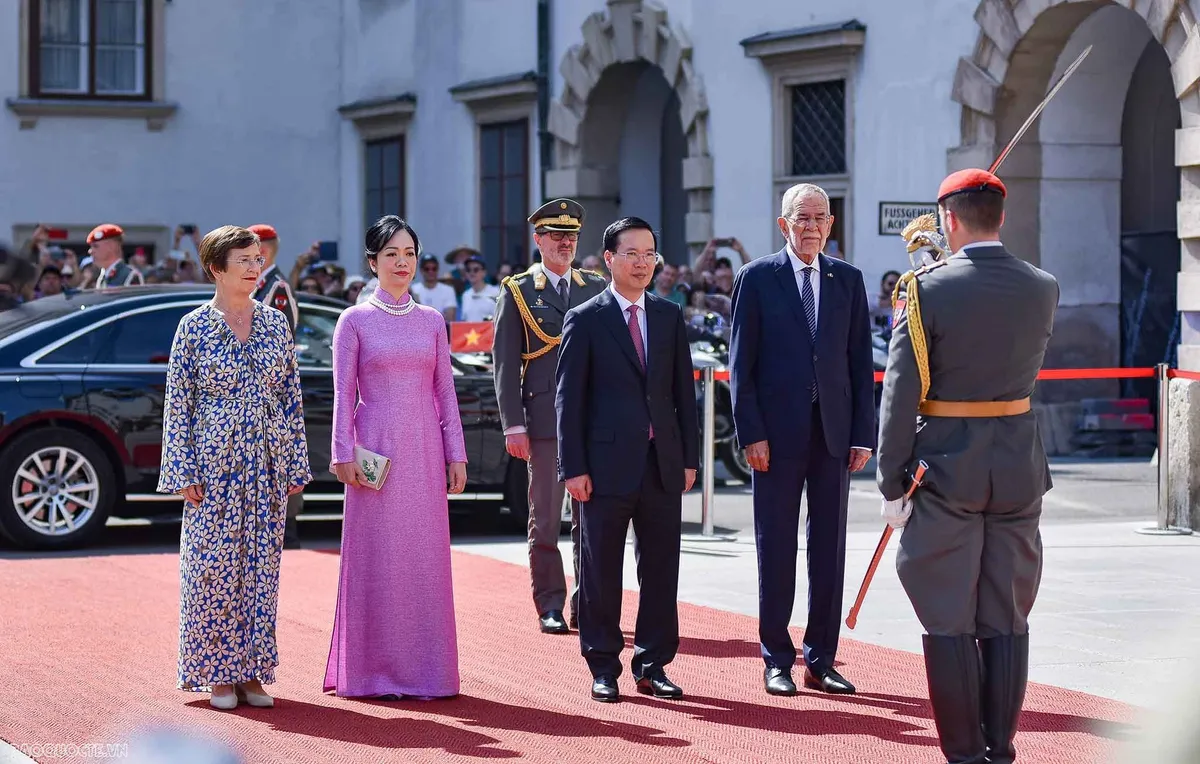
(471, 336)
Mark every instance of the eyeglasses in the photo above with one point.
(810, 222)
(560, 235)
(247, 262)
(633, 257)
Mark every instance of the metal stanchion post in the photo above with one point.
(709, 466)
(708, 469)
(1164, 526)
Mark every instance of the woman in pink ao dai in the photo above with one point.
(394, 631)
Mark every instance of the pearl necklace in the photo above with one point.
(395, 310)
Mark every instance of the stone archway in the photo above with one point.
(997, 87)
(1000, 84)
(630, 32)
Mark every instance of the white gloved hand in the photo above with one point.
(897, 511)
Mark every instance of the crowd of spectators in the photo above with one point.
(461, 284)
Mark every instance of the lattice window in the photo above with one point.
(819, 128)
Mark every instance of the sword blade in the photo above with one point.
(1040, 107)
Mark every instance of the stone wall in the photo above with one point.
(1184, 449)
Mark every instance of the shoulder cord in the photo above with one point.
(916, 329)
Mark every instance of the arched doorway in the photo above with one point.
(631, 130)
(1094, 183)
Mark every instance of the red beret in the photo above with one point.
(970, 180)
(264, 232)
(105, 231)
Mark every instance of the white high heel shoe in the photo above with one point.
(256, 699)
(224, 702)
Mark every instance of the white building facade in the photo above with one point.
(463, 115)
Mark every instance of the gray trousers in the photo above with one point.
(971, 570)
(545, 523)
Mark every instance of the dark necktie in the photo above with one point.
(635, 334)
(810, 312)
(562, 291)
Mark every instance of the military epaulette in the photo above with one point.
(929, 267)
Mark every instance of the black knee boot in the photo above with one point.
(1005, 674)
(952, 669)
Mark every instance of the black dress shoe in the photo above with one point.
(659, 686)
(604, 689)
(575, 621)
(552, 622)
(778, 681)
(829, 681)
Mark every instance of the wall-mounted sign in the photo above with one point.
(893, 216)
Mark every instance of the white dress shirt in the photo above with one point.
(641, 315)
(974, 244)
(814, 276)
(554, 278)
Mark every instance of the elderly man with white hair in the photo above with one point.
(804, 408)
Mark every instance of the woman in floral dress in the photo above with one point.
(394, 631)
(234, 448)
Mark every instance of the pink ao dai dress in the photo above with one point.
(394, 629)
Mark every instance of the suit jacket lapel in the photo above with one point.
(831, 291)
(615, 320)
(658, 332)
(787, 281)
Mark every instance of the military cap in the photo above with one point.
(105, 231)
(964, 181)
(264, 232)
(558, 215)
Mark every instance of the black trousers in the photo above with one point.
(656, 515)
(777, 495)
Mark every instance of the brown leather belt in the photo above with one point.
(974, 408)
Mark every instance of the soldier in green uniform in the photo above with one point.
(529, 318)
(104, 245)
(970, 333)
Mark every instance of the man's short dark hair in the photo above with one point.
(615, 229)
(979, 211)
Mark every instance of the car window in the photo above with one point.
(314, 337)
(143, 338)
(80, 350)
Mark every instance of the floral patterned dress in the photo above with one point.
(233, 423)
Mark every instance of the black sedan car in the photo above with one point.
(82, 379)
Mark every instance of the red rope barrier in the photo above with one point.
(1180, 374)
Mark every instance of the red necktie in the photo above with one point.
(635, 334)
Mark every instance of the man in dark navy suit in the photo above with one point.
(628, 449)
(804, 409)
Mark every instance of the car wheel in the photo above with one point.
(516, 494)
(60, 489)
(734, 460)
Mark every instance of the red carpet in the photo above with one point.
(87, 655)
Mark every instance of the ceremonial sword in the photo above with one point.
(1040, 107)
(852, 619)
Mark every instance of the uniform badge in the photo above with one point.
(898, 310)
(539, 303)
(280, 301)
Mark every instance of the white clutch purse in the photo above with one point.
(374, 466)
